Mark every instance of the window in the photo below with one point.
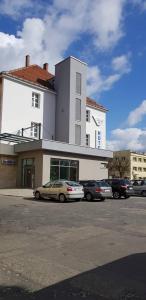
(134, 168)
(139, 169)
(135, 158)
(88, 140)
(87, 115)
(139, 159)
(64, 169)
(78, 83)
(77, 134)
(123, 158)
(36, 100)
(144, 169)
(78, 110)
(34, 130)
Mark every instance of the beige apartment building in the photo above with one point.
(128, 164)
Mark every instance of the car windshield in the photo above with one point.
(72, 183)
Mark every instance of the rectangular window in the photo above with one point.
(88, 140)
(139, 169)
(144, 169)
(135, 158)
(78, 110)
(77, 134)
(78, 83)
(144, 160)
(87, 115)
(35, 100)
(135, 168)
(34, 130)
(64, 169)
(139, 159)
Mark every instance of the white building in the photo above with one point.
(37, 104)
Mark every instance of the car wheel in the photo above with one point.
(116, 195)
(89, 197)
(37, 196)
(143, 193)
(62, 198)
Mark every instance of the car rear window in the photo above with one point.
(125, 181)
(72, 183)
(103, 184)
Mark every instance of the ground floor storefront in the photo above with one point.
(34, 164)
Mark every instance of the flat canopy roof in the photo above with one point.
(14, 138)
(62, 147)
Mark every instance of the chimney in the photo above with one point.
(27, 60)
(46, 66)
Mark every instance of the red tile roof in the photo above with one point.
(94, 104)
(34, 74)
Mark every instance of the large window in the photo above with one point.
(36, 100)
(64, 169)
(78, 83)
(78, 110)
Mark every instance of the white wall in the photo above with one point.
(17, 110)
(91, 127)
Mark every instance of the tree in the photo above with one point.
(119, 167)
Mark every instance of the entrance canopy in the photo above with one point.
(14, 138)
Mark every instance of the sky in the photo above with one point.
(109, 35)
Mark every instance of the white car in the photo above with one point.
(61, 190)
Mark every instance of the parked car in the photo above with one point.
(139, 187)
(61, 190)
(96, 189)
(120, 187)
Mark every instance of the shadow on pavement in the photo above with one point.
(122, 279)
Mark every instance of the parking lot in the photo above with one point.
(77, 250)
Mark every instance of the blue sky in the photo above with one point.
(109, 35)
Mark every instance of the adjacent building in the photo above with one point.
(129, 164)
(49, 128)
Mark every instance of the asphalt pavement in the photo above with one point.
(76, 250)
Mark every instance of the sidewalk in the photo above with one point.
(17, 192)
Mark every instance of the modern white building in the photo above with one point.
(55, 108)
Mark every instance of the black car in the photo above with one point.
(96, 189)
(120, 187)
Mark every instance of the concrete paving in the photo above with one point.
(77, 250)
(17, 192)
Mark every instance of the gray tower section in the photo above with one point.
(70, 104)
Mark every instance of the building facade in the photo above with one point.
(65, 130)
(132, 164)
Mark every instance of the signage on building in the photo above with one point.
(8, 162)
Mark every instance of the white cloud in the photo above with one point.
(106, 22)
(129, 138)
(64, 22)
(137, 114)
(98, 83)
(122, 64)
(13, 8)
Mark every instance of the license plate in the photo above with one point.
(107, 190)
(130, 188)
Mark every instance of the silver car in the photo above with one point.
(61, 190)
(96, 189)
